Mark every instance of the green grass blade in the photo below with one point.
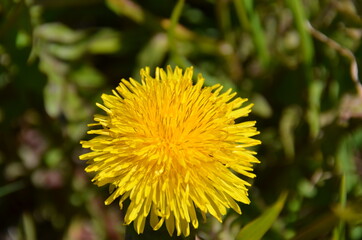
(250, 20)
(317, 228)
(256, 229)
(300, 22)
(242, 15)
(339, 230)
(10, 188)
(175, 16)
(29, 227)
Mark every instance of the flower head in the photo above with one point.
(172, 147)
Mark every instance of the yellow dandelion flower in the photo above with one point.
(172, 147)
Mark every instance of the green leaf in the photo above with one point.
(87, 77)
(127, 8)
(53, 157)
(154, 52)
(57, 32)
(261, 106)
(288, 122)
(73, 106)
(315, 90)
(256, 229)
(53, 96)
(76, 130)
(105, 41)
(69, 52)
(23, 39)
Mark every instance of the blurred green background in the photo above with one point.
(297, 60)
